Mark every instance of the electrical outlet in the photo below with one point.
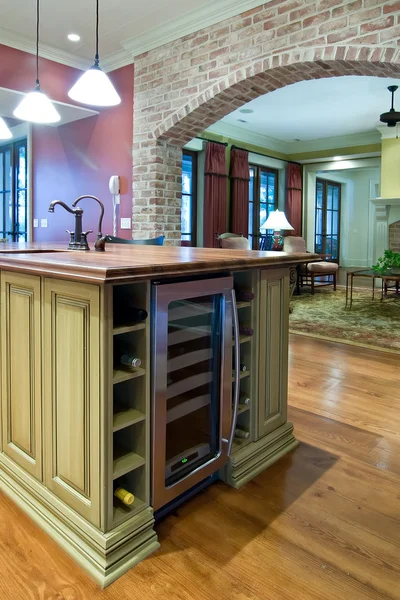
(36, 222)
(43, 222)
(125, 223)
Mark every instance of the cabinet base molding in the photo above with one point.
(105, 556)
(254, 458)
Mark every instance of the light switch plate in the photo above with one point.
(36, 222)
(43, 222)
(125, 223)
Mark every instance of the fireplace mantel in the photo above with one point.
(379, 226)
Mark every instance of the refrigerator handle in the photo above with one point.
(236, 370)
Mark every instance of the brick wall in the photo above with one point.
(394, 236)
(184, 86)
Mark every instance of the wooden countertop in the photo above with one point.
(120, 262)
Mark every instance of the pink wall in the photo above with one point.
(77, 158)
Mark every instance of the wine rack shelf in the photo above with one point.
(129, 403)
(243, 305)
(120, 375)
(244, 281)
(123, 417)
(244, 339)
(129, 328)
(124, 462)
(122, 512)
(242, 375)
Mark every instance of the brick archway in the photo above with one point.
(157, 157)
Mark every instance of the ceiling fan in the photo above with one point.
(391, 118)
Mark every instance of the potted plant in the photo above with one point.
(388, 263)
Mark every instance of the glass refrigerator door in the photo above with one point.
(193, 384)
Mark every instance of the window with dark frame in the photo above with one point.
(14, 191)
(263, 199)
(327, 218)
(189, 199)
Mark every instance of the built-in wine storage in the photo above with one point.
(246, 304)
(129, 435)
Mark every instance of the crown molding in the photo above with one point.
(117, 60)
(249, 137)
(188, 23)
(19, 42)
(388, 133)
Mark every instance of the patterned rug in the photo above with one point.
(368, 324)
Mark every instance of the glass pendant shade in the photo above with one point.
(37, 108)
(94, 88)
(5, 133)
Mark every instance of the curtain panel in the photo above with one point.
(294, 195)
(215, 194)
(240, 177)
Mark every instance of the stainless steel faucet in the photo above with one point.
(78, 238)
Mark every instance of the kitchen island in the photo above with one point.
(76, 425)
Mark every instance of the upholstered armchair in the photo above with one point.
(307, 272)
(233, 241)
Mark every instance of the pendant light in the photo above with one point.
(5, 133)
(36, 106)
(94, 87)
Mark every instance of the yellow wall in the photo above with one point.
(390, 168)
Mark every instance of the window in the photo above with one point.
(13, 191)
(327, 218)
(189, 198)
(263, 199)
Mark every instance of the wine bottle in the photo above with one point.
(124, 496)
(128, 360)
(246, 331)
(136, 314)
(244, 400)
(241, 433)
(243, 296)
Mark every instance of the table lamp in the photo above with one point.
(278, 222)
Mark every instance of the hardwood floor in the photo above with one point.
(322, 523)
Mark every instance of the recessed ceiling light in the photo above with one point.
(246, 111)
(242, 121)
(74, 37)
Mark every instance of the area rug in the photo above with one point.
(369, 324)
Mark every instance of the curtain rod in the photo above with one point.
(266, 155)
(206, 140)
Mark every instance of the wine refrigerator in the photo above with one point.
(195, 370)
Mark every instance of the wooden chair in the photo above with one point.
(157, 241)
(307, 272)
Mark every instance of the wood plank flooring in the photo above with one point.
(322, 523)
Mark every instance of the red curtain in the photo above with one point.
(215, 194)
(240, 176)
(293, 205)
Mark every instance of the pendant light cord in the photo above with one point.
(96, 57)
(37, 45)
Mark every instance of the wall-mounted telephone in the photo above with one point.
(114, 187)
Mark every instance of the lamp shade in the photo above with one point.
(5, 133)
(37, 108)
(277, 221)
(94, 88)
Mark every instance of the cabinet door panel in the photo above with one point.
(71, 383)
(21, 371)
(273, 355)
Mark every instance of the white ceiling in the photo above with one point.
(127, 27)
(316, 109)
